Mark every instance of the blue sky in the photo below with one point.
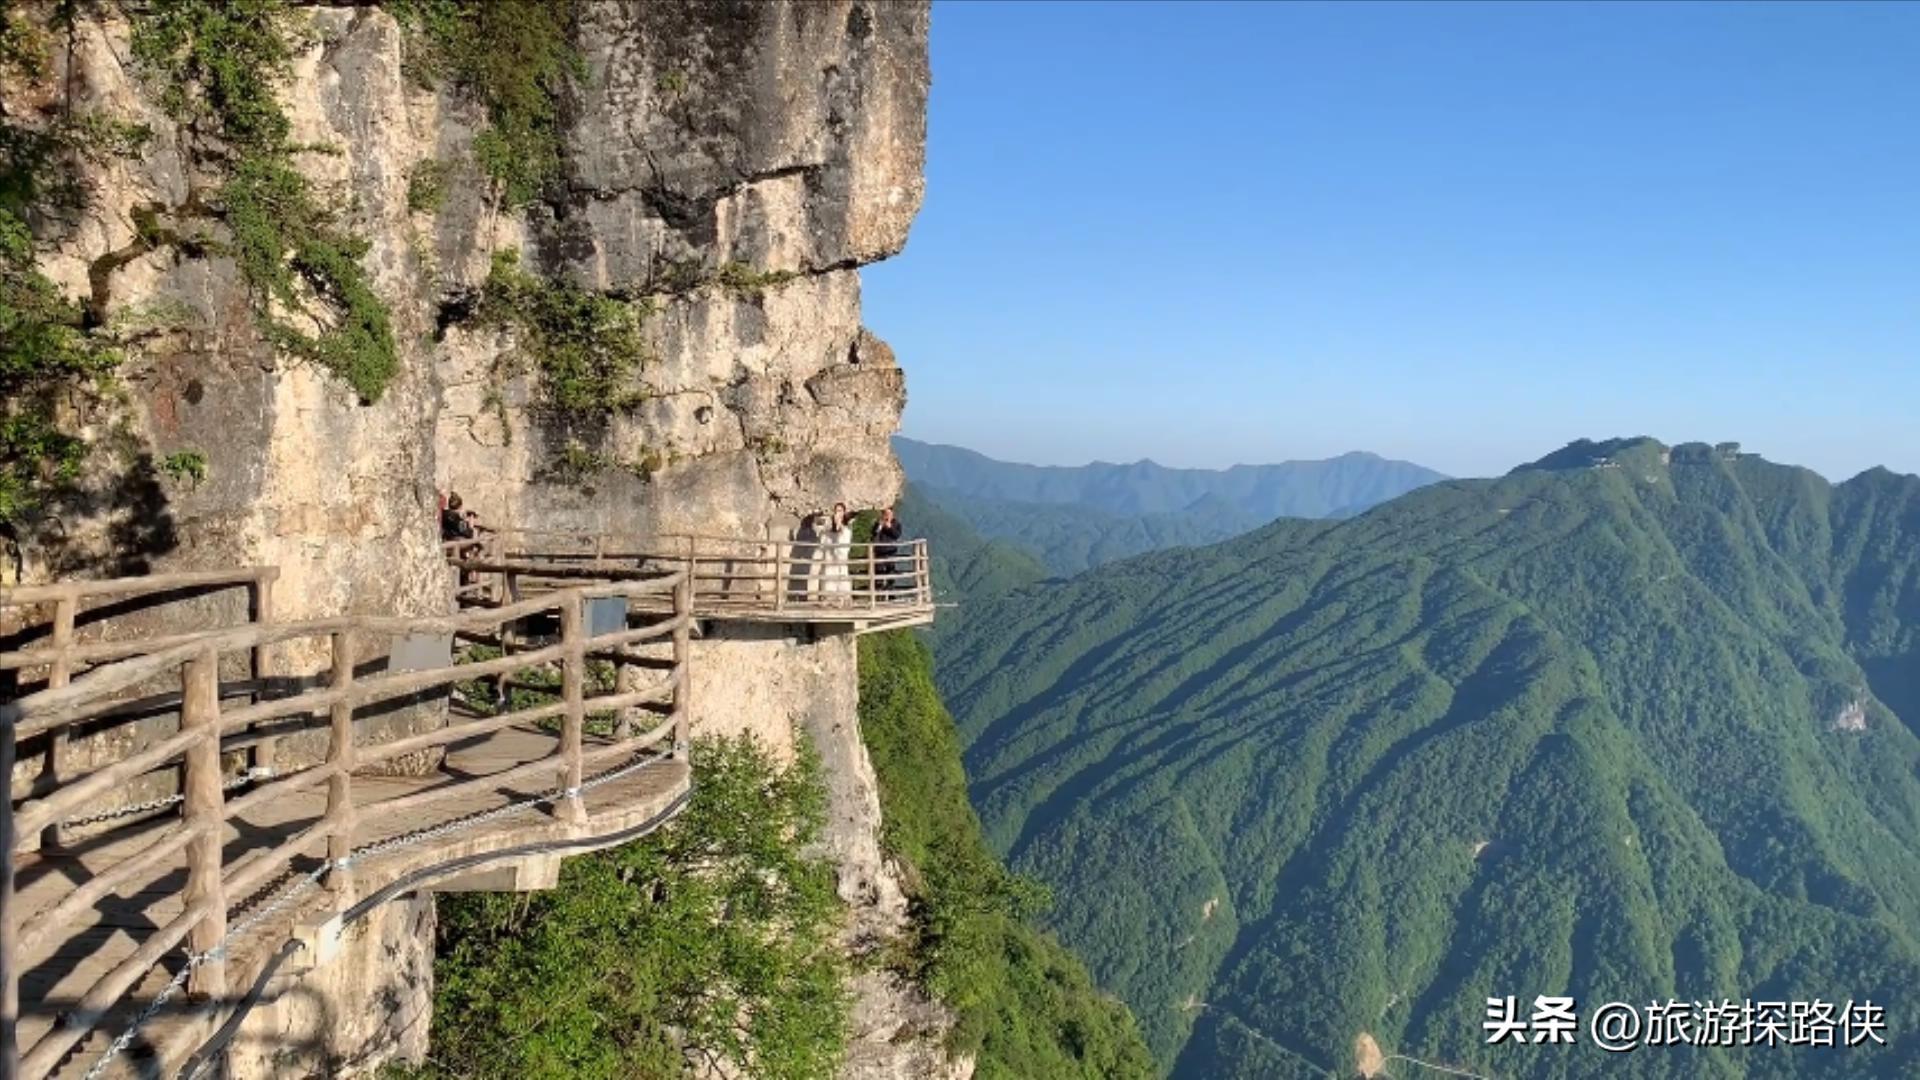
(1462, 235)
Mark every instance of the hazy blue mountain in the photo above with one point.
(1076, 518)
(1627, 724)
(1260, 493)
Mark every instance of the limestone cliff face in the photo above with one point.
(779, 141)
(731, 164)
(782, 143)
(339, 495)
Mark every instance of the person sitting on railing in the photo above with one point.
(886, 550)
(458, 525)
(455, 525)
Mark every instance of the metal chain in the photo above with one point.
(257, 772)
(308, 880)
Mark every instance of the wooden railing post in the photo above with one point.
(682, 653)
(9, 922)
(923, 572)
(342, 820)
(59, 673)
(693, 563)
(573, 691)
(261, 597)
(203, 808)
(782, 573)
(873, 575)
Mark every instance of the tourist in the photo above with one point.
(886, 547)
(803, 572)
(455, 525)
(836, 547)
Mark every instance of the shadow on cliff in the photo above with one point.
(136, 525)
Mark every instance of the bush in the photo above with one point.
(712, 941)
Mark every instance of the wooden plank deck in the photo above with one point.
(54, 977)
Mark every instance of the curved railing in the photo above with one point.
(225, 848)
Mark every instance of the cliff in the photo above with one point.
(722, 171)
(593, 266)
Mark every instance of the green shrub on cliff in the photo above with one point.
(585, 346)
(1026, 1007)
(712, 941)
(48, 355)
(517, 60)
(219, 64)
(44, 355)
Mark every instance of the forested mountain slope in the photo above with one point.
(1630, 724)
(1071, 538)
(965, 564)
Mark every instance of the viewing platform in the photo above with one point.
(881, 586)
(198, 815)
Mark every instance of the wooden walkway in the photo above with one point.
(193, 814)
(160, 877)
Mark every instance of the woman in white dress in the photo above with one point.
(836, 547)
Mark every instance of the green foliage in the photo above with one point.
(188, 466)
(516, 57)
(1025, 1006)
(1073, 538)
(220, 62)
(427, 186)
(742, 280)
(585, 346)
(1258, 776)
(577, 466)
(767, 448)
(49, 357)
(291, 251)
(23, 45)
(46, 357)
(966, 568)
(713, 940)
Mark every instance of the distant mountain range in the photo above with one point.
(1076, 517)
(1634, 723)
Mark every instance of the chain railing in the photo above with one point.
(188, 830)
(68, 638)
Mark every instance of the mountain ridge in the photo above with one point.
(1075, 517)
(1286, 489)
(1621, 731)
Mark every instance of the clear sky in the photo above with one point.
(1462, 235)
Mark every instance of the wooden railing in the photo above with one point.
(799, 580)
(653, 634)
(69, 639)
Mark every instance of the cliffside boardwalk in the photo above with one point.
(886, 586)
(197, 816)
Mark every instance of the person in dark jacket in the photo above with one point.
(454, 525)
(894, 575)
